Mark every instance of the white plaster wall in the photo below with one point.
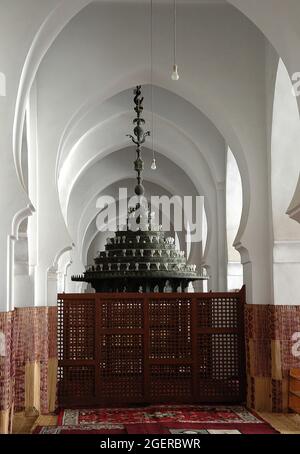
(234, 206)
(23, 285)
(241, 93)
(286, 271)
(166, 106)
(285, 155)
(234, 276)
(64, 263)
(269, 15)
(19, 23)
(294, 208)
(285, 164)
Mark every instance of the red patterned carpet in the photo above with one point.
(166, 419)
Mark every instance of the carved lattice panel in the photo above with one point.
(219, 312)
(121, 367)
(61, 333)
(170, 329)
(122, 314)
(170, 382)
(77, 319)
(133, 348)
(219, 367)
(76, 382)
(225, 356)
(204, 357)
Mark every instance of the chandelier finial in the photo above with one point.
(139, 138)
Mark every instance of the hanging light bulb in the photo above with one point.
(153, 164)
(175, 75)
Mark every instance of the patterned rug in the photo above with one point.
(162, 414)
(194, 428)
(158, 429)
(165, 419)
(96, 429)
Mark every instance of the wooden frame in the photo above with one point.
(131, 348)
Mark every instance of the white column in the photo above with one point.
(222, 237)
(52, 287)
(286, 272)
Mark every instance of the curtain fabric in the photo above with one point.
(269, 349)
(28, 363)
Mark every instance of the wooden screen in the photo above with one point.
(146, 348)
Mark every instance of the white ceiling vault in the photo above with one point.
(99, 124)
(73, 76)
(85, 107)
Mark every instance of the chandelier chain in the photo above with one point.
(151, 77)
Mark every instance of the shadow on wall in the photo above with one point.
(2, 85)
